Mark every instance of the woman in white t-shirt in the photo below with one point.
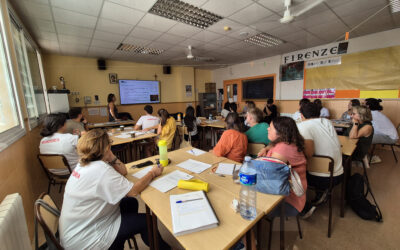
(56, 141)
(96, 213)
(384, 130)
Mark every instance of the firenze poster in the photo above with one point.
(319, 93)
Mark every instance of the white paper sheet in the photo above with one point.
(194, 166)
(93, 111)
(123, 136)
(195, 152)
(170, 181)
(142, 172)
(226, 168)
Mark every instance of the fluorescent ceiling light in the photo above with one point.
(184, 13)
(139, 49)
(395, 5)
(264, 40)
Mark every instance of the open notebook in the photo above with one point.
(191, 212)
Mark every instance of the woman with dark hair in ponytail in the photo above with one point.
(287, 145)
(191, 122)
(56, 141)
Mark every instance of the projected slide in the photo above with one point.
(138, 91)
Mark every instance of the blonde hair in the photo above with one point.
(256, 113)
(364, 112)
(93, 145)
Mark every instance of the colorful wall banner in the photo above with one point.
(319, 93)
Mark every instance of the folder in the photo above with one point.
(191, 212)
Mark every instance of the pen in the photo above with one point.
(191, 150)
(189, 200)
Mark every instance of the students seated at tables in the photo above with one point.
(56, 141)
(362, 130)
(346, 116)
(270, 110)
(191, 122)
(320, 138)
(167, 127)
(297, 116)
(384, 130)
(233, 143)
(258, 132)
(113, 114)
(287, 145)
(76, 123)
(324, 112)
(99, 209)
(147, 122)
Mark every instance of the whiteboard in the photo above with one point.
(139, 91)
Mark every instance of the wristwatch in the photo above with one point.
(113, 161)
(356, 124)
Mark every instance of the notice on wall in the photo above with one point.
(93, 111)
(103, 112)
(188, 89)
(319, 93)
(324, 62)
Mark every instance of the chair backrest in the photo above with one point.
(47, 215)
(320, 164)
(254, 148)
(50, 161)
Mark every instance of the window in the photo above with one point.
(11, 128)
(30, 74)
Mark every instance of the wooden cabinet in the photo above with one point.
(208, 103)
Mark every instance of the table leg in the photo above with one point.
(149, 227)
(155, 232)
(282, 230)
(248, 240)
(259, 233)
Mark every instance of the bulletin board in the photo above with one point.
(373, 73)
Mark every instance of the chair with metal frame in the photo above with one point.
(254, 148)
(56, 168)
(392, 145)
(325, 165)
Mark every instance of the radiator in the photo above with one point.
(13, 228)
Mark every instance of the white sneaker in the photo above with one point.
(309, 213)
(375, 159)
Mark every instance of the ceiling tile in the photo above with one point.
(156, 22)
(334, 3)
(74, 18)
(121, 14)
(329, 31)
(225, 41)
(44, 25)
(378, 23)
(136, 41)
(109, 37)
(113, 27)
(356, 6)
(38, 10)
(303, 38)
(310, 21)
(104, 44)
(251, 14)
(52, 36)
(197, 3)
(191, 42)
(182, 29)
(275, 5)
(88, 7)
(49, 45)
(73, 40)
(144, 33)
(100, 52)
(218, 27)
(284, 30)
(239, 45)
(206, 36)
(75, 49)
(225, 7)
(267, 24)
(244, 33)
(66, 29)
(136, 4)
(158, 45)
(172, 39)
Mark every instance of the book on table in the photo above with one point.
(192, 212)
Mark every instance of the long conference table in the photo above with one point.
(222, 191)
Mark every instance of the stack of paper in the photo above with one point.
(170, 180)
(191, 212)
(227, 168)
(194, 166)
(123, 136)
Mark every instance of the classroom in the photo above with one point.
(199, 124)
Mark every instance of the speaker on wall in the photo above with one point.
(101, 64)
(167, 69)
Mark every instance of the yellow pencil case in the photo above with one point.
(193, 185)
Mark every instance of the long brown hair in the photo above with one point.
(287, 132)
(93, 145)
(163, 113)
(233, 122)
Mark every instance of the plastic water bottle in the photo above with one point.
(210, 117)
(248, 193)
(162, 147)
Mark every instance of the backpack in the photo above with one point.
(356, 197)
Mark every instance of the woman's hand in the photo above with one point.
(355, 120)
(263, 152)
(157, 171)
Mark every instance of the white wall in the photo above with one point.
(293, 90)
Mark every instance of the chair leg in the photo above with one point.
(372, 152)
(330, 213)
(59, 191)
(394, 153)
(271, 225)
(48, 187)
(135, 243)
(298, 226)
(129, 243)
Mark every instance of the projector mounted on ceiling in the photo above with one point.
(288, 17)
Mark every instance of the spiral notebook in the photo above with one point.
(192, 212)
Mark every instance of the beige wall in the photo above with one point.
(81, 75)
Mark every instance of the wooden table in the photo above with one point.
(232, 226)
(110, 124)
(214, 126)
(341, 124)
(348, 146)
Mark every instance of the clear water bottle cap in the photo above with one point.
(247, 158)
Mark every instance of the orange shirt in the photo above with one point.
(232, 145)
